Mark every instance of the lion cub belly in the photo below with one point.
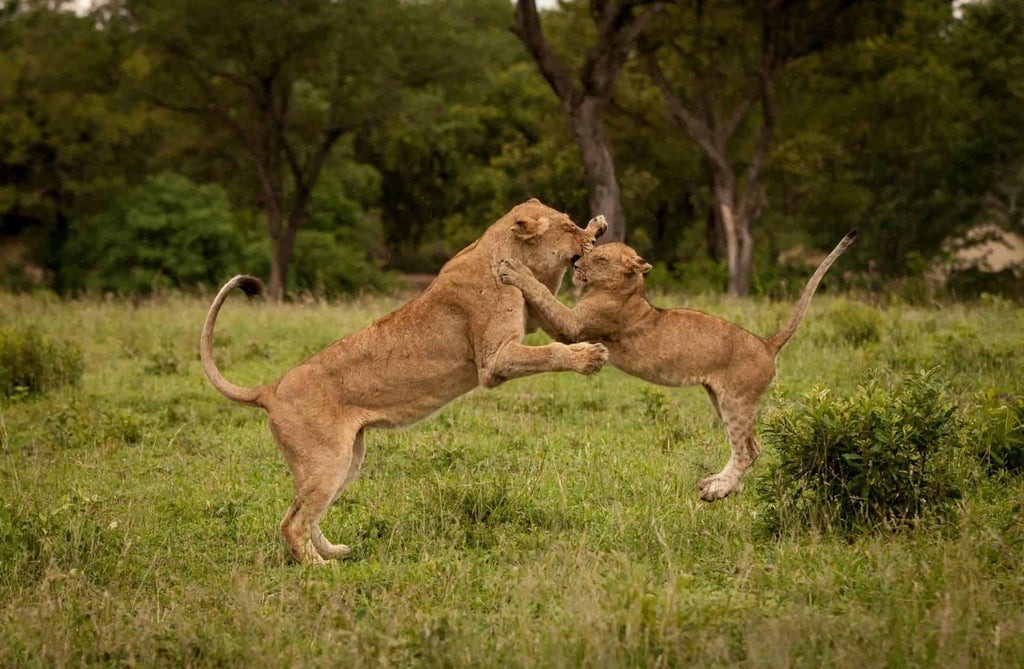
(652, 363)
(677, 347)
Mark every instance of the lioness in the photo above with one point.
(462, 331)
(673, 347)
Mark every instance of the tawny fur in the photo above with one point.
(674, 347)
(464, 330)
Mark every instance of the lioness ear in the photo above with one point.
(528, 228)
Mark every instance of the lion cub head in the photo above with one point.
(613, 266)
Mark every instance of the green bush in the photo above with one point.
(32, 363)
(876, 460)
(997, 435)
(853, 323)
(166, 233)
(327, 265)
(333, 253)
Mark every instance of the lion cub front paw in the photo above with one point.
(717, 486)
(597, 225)
(512, 271)
(589, 358)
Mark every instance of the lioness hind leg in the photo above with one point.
(738, 416)
(321, 471)
(326, 549)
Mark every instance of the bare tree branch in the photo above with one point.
(527, 28)
(695, 126)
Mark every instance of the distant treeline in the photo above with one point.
(329, 145)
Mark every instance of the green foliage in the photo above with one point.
(535, 524)
(166, 233)
(997, 435)
(71, 133)
(32, 363)
(66, 536)
(327, 265)
(967, 284)
(895, 117)
(333, 253)
(853, 323)
(878, 459)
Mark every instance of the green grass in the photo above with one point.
(553, 522)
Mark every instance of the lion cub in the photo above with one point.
(670, 347)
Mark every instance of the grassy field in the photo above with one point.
(552, 522)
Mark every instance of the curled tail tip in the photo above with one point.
(250, 285)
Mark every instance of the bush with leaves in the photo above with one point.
(879, 459)
(32, 363)
(334, 252)
(166, 233)
(853, 323)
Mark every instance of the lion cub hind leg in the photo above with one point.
(322, 467)
(738, 416)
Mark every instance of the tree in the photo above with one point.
(892, 133)
(619, 25)
(167, 232)
(987, 45)
(725, 61)
(285, 79)
(450, 158)
(70, 133)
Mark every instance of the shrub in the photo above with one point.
(997, 434)
(32, 363)
(166, 233)
(853, 323)
(878, 459)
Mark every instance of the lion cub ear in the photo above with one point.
(528, 228)
(639, 266)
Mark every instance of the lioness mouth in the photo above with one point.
(574, 260)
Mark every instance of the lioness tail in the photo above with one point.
(251, 286)
(779, 339)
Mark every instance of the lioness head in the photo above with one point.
(548, 241)
(612, 266)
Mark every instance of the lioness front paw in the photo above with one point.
(512, 271)
(589, 357)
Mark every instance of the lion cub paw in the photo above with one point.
(589, 358)
(597, 225)
(512, 271)
(716, 487)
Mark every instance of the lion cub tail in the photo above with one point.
(251, 286)
(779, 339)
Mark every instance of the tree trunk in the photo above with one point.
(619, 25)
(739, 242)
(281, 247)
(605, 196)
